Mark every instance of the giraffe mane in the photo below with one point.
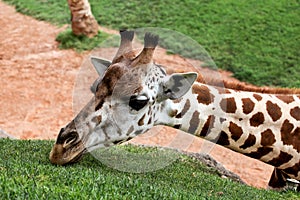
(265, 90)
(242, 86)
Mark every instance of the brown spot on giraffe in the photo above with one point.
(274, 111)
(141, 121)
(295, 113)
(261, 151)
(150, 120)
(236, 131)
(173, 113)
(287, 127)
(297, 131)
(257, 119)
(257, 97)
(281, 159)
(204, 95)
(207, 126)
(228, 105)
(267, 138)
(293, 170)
(194, 122)
(223, 139)
(290, 137)
(286, 99)
(248, 105)
(249, 142)
(278, 179)
(186, 107)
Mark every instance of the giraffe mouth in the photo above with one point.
(61, 156)
(117, 142)
(77, 158)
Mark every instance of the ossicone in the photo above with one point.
(146, 56)
(125, 49)
(150, 40)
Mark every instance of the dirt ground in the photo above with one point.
(37, 81)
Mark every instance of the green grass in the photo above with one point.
(26, 173)
(257, 40)
(68, 40)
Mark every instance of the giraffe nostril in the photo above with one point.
(71, 139)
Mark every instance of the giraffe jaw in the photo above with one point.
(62, 156)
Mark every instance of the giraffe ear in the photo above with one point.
(178, 84)
(100, 65)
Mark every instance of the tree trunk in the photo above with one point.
(83, 21)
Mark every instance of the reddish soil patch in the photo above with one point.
(37, 81)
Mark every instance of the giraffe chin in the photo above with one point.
(62, 156)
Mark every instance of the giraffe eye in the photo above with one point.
(138, 102)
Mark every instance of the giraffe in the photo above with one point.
(262, 126)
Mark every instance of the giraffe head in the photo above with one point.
(133, 96)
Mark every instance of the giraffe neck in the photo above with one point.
(262, 126)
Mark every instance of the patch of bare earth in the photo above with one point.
(37, 81)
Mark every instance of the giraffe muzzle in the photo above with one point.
(62, 156)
